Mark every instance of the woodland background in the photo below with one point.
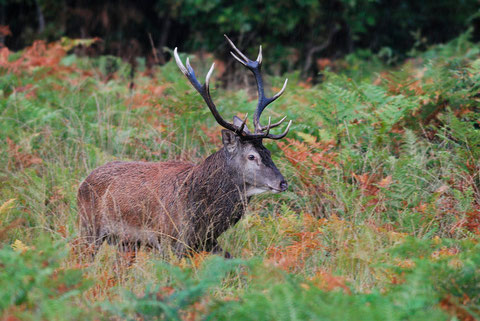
(294, 33)
(382, 217)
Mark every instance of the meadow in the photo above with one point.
(381, 220)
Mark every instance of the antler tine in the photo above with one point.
(275, 124)
(238, 59)
(207, 78)
(244, 122)
(281, 90)
(259, 58)
(282, 134)
(179, 62)
(236, 49)
(204, 91)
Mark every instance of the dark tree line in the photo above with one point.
(295, 32)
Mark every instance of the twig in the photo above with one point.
(154, 50)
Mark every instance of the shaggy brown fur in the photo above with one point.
(181, 205)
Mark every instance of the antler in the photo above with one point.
(263, 101)
(204, 91)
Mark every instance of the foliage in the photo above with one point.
(184, 290)
(416, 293)
(381, 220)
(299, 34)
(36, 287)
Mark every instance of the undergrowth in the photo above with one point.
(381, 220)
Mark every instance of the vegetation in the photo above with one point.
(297, 33)
(381, 220)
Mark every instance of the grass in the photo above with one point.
(381, 220)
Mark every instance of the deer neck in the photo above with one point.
(215, 196)
(215, 177)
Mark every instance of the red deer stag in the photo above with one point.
(182, 205)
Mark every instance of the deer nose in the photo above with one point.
(283, 186)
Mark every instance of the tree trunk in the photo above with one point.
(167, 22)
(40, 18)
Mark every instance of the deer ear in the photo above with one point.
(230, 140)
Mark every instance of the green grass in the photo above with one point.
(381, 220)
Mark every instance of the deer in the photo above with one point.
(180, 205)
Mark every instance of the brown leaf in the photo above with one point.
(21, 159)
(385, 182)
(328, 282)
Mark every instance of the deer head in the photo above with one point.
(245, 152)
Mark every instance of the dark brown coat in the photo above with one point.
(166, 203)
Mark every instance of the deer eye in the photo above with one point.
(251, 157)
